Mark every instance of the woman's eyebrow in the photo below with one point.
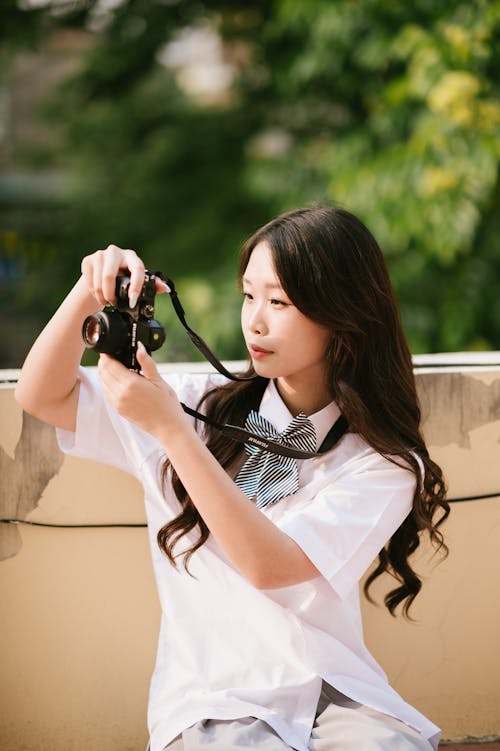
(267, 285)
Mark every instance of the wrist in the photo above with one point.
(85, 297)
(177, 435)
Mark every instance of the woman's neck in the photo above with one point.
(308, 400)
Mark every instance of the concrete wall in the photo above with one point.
(79, 613)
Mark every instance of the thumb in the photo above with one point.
(148, 365)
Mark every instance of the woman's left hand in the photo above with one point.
(145, 400)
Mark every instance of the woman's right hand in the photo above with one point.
(101, 268)
(48, 384)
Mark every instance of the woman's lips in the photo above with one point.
(258, 352)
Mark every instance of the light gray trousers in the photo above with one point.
(341, 725)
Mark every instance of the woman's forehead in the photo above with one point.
(260, 267)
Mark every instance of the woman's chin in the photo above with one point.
(262, 369)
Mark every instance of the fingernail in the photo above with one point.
(132, 299)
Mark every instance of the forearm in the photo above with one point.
(257, 547)
(49, 374)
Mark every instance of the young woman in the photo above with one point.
(258, 556)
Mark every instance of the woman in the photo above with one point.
(258, 557)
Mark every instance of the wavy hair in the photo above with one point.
(334, 272)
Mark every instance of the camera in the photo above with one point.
(116, 331)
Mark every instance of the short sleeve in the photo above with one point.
(102, 435)
(344, 527)
(100, 432)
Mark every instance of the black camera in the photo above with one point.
(116, 331)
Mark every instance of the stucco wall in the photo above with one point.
(79, 613)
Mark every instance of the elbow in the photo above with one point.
(259, 576)
(276, 575)
(27, 401)
(261, 580)
(272, 580)
(60, 412)
(20, 397)
(271, 577)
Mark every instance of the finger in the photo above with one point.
(137, 272)
(148, 365)
(161, 286)
(98, 259)
(111, 370)
(112, 261)
(90, 272)
(116, 260)
(87, 273)
(115, 380)
(97, 280)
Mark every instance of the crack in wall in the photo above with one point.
(455, 404)
(37, 459)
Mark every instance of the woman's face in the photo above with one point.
(283, 343)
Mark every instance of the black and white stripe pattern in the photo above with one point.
(269, 477)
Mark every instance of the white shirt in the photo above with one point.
(229, 650)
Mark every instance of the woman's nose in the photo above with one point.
(257, 320)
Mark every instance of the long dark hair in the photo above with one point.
(333, 271)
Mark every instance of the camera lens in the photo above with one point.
(92, 331)
(107, 332)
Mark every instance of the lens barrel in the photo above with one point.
(92, 331)
(106, 332)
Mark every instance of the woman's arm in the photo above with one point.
(268, 557)
(264, 554)
(48, 385)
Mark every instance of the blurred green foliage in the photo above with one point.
(388, 108)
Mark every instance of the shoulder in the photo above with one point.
(355, 458)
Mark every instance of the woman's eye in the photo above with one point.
(274, 301)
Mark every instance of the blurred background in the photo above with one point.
(177, 127)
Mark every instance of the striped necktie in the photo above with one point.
(270, 477)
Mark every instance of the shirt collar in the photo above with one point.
(273, 408)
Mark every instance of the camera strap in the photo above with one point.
(234, 432)
(198, 342)
(242, 435)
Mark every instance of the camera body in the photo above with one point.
(117, 330)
